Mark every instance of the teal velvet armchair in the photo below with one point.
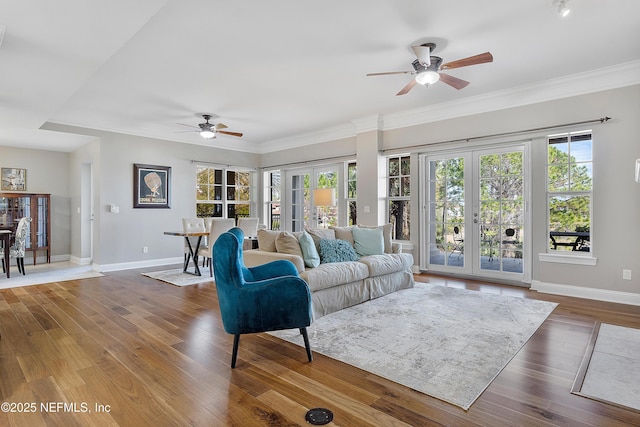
(264, 298)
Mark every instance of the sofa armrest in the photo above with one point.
(396, 248)
(256, 257)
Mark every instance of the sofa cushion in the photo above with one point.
(287, 243)
(387, 263)
(267, 240)
(334, 274)
(336, 250)
(368, 241)
(318, 234)
(343, 233)
(386, 235)
(309, 251)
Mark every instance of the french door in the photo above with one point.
(475, 213)
(303, 211)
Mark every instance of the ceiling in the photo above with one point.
(285, 71)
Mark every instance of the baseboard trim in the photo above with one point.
(137, 264)
(79, 261)
(628, 298)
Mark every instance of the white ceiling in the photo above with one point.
(286, 71)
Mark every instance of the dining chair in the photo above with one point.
(458, 242)
(217, 227)
(249, 226)
(19, 246)
(191, 225)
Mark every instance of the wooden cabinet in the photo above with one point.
(14, 206)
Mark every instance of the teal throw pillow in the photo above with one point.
(309, 251)
(368, 241)
(336, 250)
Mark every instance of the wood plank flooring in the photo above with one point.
(127, 350)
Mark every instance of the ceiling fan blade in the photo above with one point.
(472, 60)
(423, 53)
(407, 88)
(221, 126)
(390, 72)
(190, 126)
(453, 81)
(238, 134)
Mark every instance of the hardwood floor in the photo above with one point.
(127, 350)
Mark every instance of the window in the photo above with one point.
(220, 190)
(272, 199)
(569, 191)
(352, 175)
(399, 196)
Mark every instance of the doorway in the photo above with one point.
(475, 212)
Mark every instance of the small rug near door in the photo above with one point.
(178, 278)
(610, 371)
(445, 342)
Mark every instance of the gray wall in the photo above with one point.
(47, 172)
(616, 194)
(119, 238)
(123, 235)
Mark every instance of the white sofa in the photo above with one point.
(341, 284)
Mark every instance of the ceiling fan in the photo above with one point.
(426, 68)
(210, 130)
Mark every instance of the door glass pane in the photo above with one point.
(300, 202)
(501, 213)
(446, 212)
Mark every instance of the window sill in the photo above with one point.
(568, 259)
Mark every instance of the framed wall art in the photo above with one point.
(151, 186)
(14, 179)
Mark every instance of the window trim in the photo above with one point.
(223, 201)
(559, 256)
(403, 198)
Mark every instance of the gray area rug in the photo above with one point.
(445, 342)
(178, 278)
(610, 371)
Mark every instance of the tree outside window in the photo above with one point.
(569, 191)
(399, 196)
(220, 190)
(352, 175)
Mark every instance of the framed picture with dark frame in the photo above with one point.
(151, 186)
(13, 179)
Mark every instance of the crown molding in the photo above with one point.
(612, 77)
(345, 130)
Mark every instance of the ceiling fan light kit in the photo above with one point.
(426, 68)
(207, 134)
(427, 77)
(563, 8)
(210, 130)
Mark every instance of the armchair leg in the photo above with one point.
(234, 354)
(21, 263)
(305, 336)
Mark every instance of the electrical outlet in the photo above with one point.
(145, 250)
(626, 274)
